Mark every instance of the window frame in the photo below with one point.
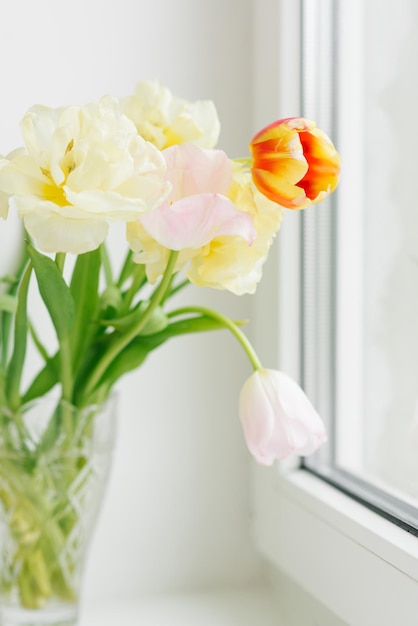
(332, 75)
(350, 559)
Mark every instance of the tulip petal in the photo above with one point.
(194, 221)
(52, 232)
(192, 170)
(21, 176)
(4, 196)
(197, 122)
(257, 413)
(304, 428)
(111, 205)
(165, 120)
(320, 180)
(4, 205)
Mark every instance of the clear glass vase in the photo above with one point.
(54, 462)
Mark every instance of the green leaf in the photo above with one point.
(2, 388)
(54, 292)
(196, 324)
(8, 303)
(93, 354)
(6, 319)
(137, 351)
(38, 344)
(129, 359)
(44, 381)
(84, 289)
(15, 366)
(158, 321)
(9, 280)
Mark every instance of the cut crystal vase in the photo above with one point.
(54, 462)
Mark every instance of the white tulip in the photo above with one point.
(277, 417)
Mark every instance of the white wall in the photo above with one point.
(177, 513)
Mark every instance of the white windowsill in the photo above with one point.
(244, 607)
(358, 565)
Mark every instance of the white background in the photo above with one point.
(177, 514)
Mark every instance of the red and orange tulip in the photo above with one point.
(294, 163)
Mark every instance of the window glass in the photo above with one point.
(360, 252)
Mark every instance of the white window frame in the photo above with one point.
(349, 559)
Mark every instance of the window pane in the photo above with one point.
(360, 265)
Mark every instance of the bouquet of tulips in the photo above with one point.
(192, 215)
(149, 160)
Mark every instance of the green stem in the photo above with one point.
(2, 388)
(39, 529)
(65, 349)
(66, 369)
(227, 323)
(177, 288)
(138, 279)
(60, 260)
(121, 341)
(106, 265)
(126, 269)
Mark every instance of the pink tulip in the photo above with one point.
(277, 417)
(197, 209)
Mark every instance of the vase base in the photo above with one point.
(50, 616)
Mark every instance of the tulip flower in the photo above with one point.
(196, 211)
(166, 120)
(294, 163)
(277, 417)
(81, 168)
(228, 262)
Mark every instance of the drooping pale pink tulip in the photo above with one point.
(294, 163)
(277, 417)
(197, 210)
